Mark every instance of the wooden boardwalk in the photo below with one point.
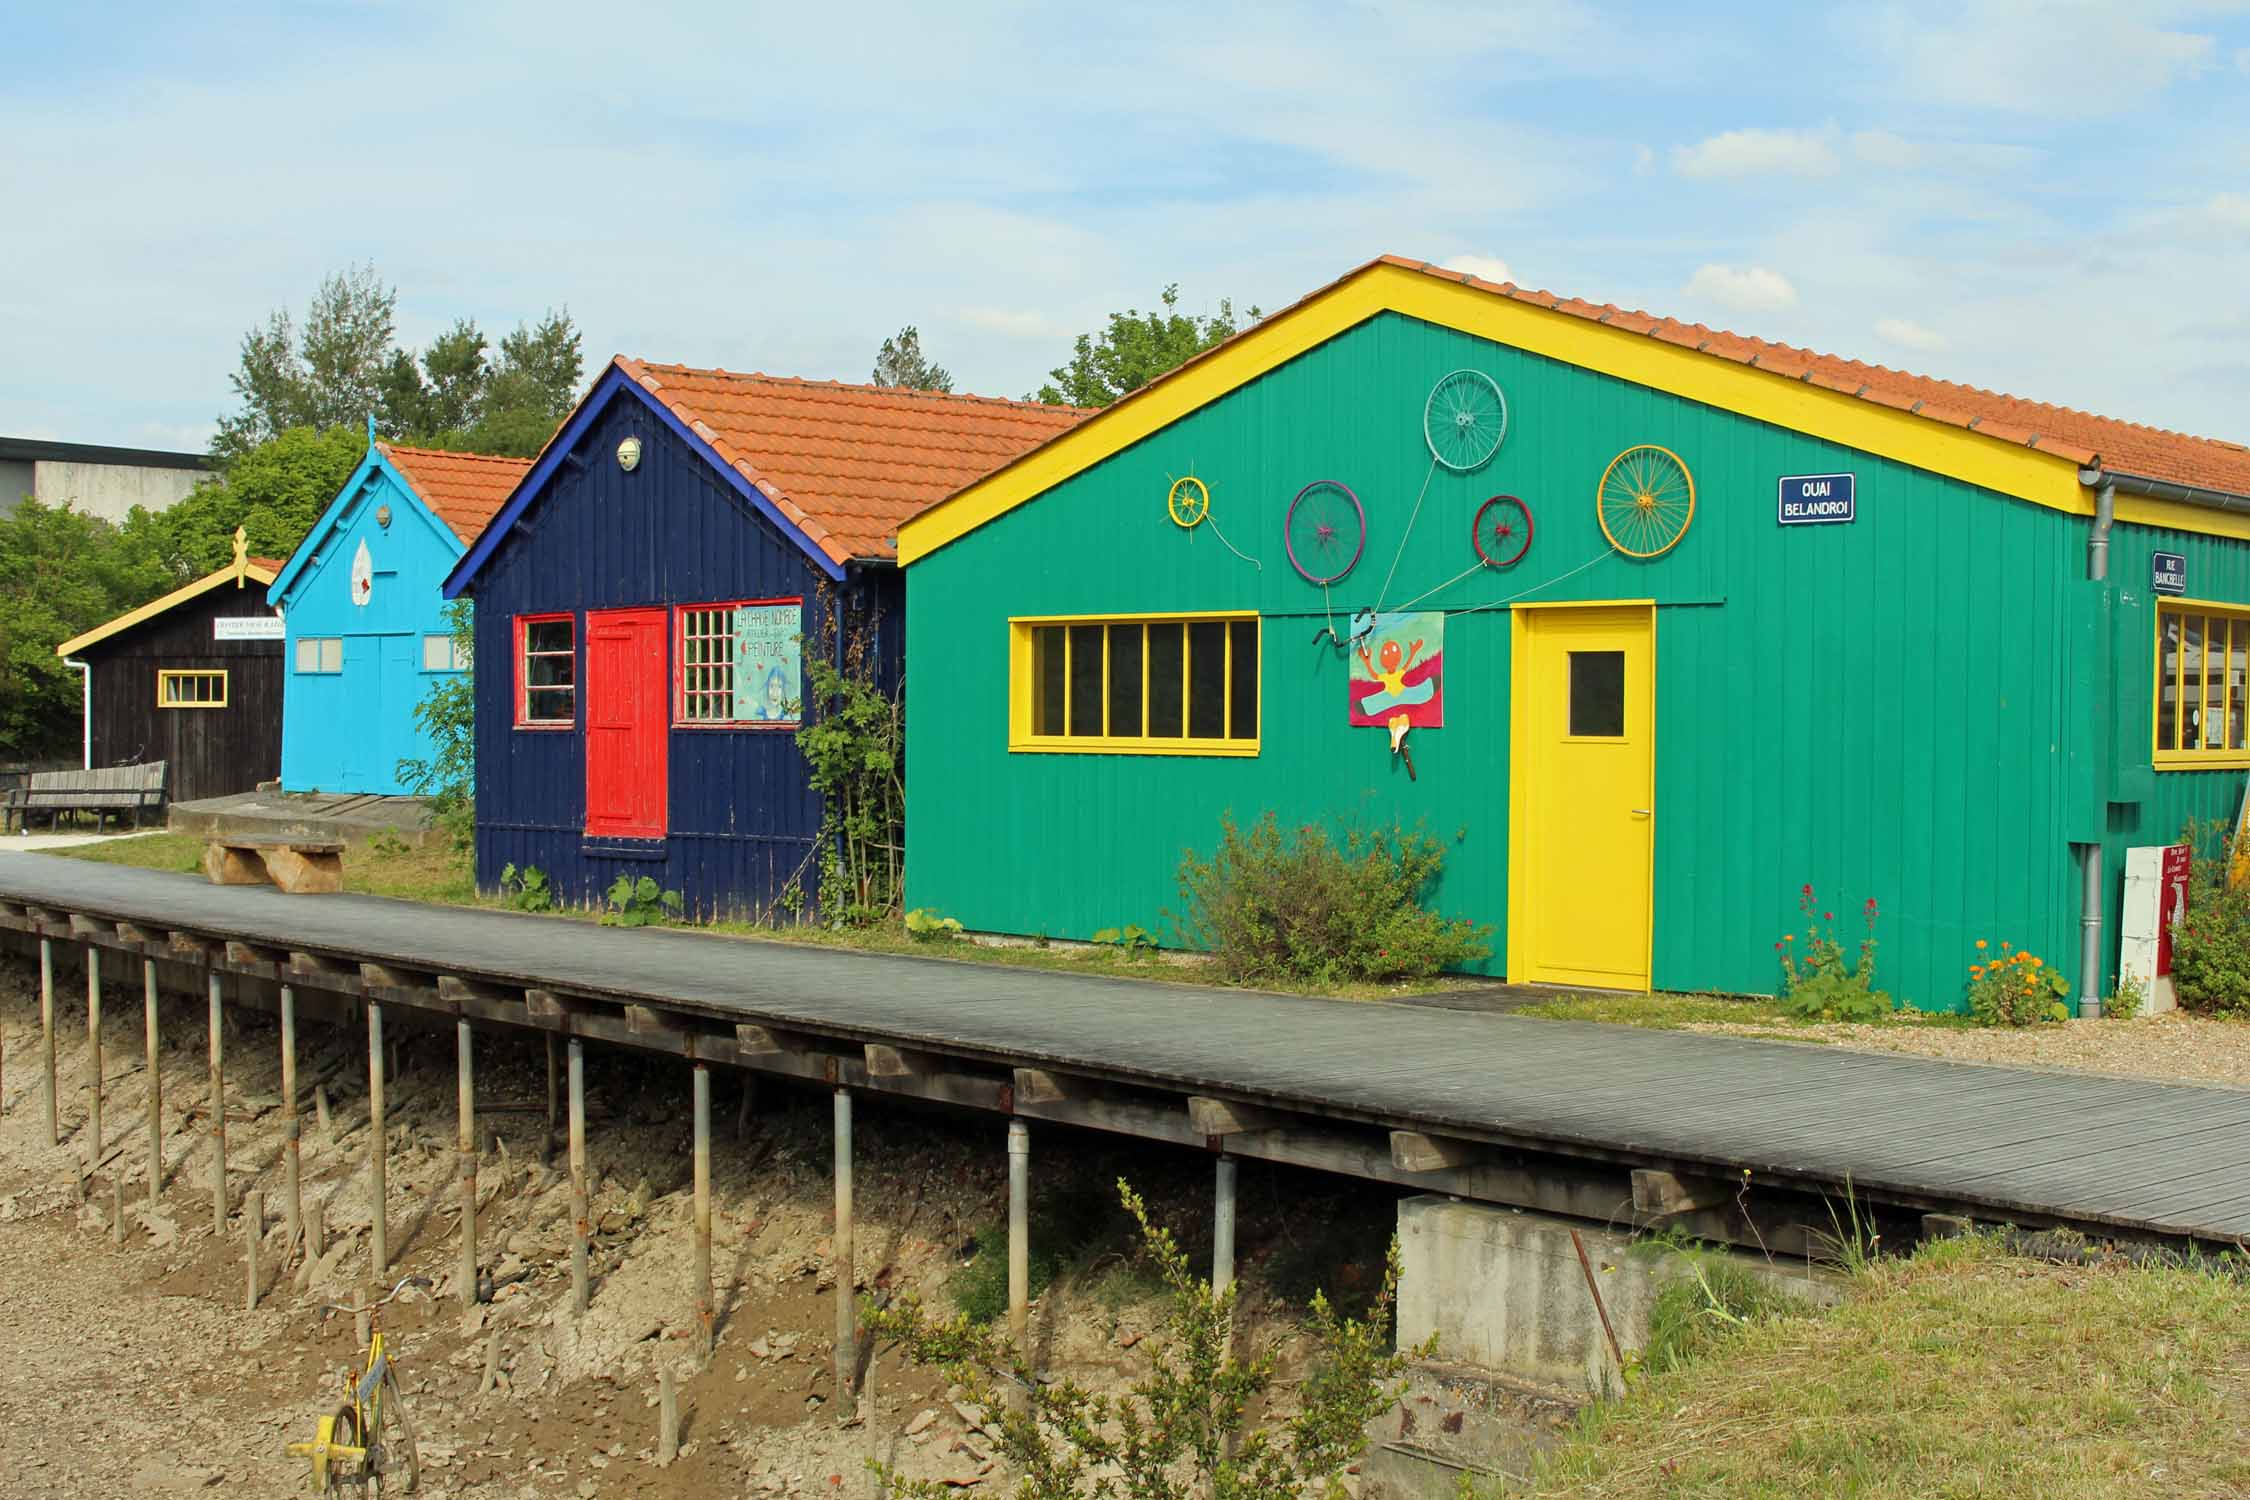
(2034, 1146)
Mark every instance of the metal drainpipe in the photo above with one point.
(2090, 855)
(85, 712)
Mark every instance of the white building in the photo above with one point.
(94, 480)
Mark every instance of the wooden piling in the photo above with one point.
(847, 1333)
(554, 1095)
(580, 1291)
(93, 1054)
(667, 1415)
(316, 1230)
(465, 1145)
(1222, 1229)
(292, 1187)
(1019, 1234)
(320, 1111)
(749, 1102)
(152, 1044)
(47, 1030)
(378, 1191)
(218, 1107)
(363, 1323)
(117, 1208)
(706, 1321)
(253, 1228)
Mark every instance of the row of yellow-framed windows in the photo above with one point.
(2202, 669)
(1176, 684)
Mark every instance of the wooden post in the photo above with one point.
(378, 1191)
(847, 1333)
(749, 1102)
(466, 1147)
(47, 1029)
(363, 1324)
(547, 1152)
(253, 1226)
(667, 1415)
(1222, 1230)
(706, 1321)
(152, 1043)
(1019, 1235)
(117, 1208)
(320, 1111)
(580, 1292)
(293, 1201)
(316, 1231)
(94, 1054)
(218, 1109)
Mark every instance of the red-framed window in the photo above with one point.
(546, 671)
(738, 664)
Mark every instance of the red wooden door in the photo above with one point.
(626, 724)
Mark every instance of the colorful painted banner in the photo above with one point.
(1397, 672)
(768, 666)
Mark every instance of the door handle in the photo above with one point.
(1642, 812)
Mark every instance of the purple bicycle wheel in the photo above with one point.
(1325, 531)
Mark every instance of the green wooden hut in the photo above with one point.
(1666, 625)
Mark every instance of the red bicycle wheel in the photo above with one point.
(1325, 531)
(1502, 532)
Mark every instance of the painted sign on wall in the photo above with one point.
(768, 664)
(246, 628)
(1397, 677)
(2171, 902)
(2167, 572)
(1819, 499)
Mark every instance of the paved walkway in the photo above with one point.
(2169, 1158)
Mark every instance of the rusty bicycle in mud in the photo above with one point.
(367, 1442)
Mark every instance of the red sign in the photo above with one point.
(2171, 903)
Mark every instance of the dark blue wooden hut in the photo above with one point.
(643, 600)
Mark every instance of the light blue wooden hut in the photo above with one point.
(365, 621)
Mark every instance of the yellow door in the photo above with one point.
(1582, 815)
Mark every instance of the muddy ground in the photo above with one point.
(136, 1368)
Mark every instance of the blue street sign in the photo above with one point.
(1818, 499)
(2167, 572)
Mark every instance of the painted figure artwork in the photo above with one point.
(1397, 673)
(363, 575)
(768, 667)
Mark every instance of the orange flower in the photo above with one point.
(1980, 942)
(1977, 970)
(2038, 963)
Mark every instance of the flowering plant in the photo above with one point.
(1818, 984)
(2016, 988)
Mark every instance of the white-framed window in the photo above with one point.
(740, 664)
(320, 653)
(444, 653)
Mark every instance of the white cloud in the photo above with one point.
(2230, 211)
(1759, 153)
(1486, 267)
(1744, 288)
(2075, 58)
(1018, 323)
(1883, 148)
(1908, 334)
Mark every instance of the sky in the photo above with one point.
(2051, 199)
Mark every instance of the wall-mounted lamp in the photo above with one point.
(629, 454)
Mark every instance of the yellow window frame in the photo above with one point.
(1022, 740)
(168, 681)
(2193, 690)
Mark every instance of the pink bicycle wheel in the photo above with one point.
(1325, 531)
(1502, 531)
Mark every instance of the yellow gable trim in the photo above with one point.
(1993, 463)
(154, 607)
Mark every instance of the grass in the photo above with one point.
(1959, 1371)
(1664, 1012)
(435, 873)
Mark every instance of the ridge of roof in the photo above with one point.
(258, 569)
(463, 490)
(862, 387)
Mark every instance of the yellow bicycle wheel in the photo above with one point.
(1189, 501)
(1645, 501)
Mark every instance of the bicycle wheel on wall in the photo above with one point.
(1465, 420)
(1325, 531)
(1645, 501)
(1502, 531)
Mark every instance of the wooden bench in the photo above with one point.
(299, 866)
(108, 789)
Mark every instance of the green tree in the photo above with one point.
(61, 572)
(329, 373)
(901, 362)
(438, 397)
(533, 385)
(274, 491)
(1134, 349)
(448, 714)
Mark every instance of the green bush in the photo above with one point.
(527, 889)
(927, 926)
(1712, 1294)
(2211, 948)
(2127, 1000)
(1299, 907)
(2017, 988)
(1817, 984)
(639, 903)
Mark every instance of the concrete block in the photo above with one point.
(1503, 1291)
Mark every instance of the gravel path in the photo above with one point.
(2192, 1049)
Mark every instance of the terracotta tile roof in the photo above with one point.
(2083, 438)
(464, 490)
(848, 463)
